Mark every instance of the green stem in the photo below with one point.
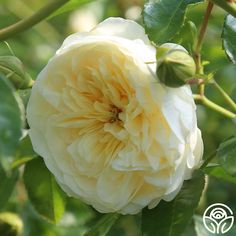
(227, 98)
(208, 103)
(201, 98)
(227, 5)
(29, 22)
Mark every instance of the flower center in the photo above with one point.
(115, 114)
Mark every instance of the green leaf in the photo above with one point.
(7, 184)
(11, 119)
(226, 154)
(71, 5)
(228, 5)
(229, 37)
(199, 226)
(102, 227)
(24, 152)
(43, 191)
(177, 213)
(220, 173)
(164, 19)
(190, 230)
(76, 221)
(14, 70)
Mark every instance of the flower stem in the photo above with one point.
(201, 37)
(197, 51)
(227, 98)
(208, 103)
(201, 98)
(29, 22)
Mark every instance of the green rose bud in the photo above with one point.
(10, 224)
(14, 70)
(174, 65)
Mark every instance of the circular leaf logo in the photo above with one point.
(218, 218)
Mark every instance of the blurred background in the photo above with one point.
(35, 46)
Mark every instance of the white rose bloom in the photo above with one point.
(111, 134)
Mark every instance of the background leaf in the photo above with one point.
(43, 191)
(102, 227)
(178, 212)
(71, 5)
(11, 119)
(7, 184)
(228, 5)
(226, 154)
(163, 19)
(229, 37)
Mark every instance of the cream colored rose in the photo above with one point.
(111, 134)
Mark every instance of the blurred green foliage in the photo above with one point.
(34, 48)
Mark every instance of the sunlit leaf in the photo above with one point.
(229, 37)
(163, 19)
(177, 213)
(43, 191)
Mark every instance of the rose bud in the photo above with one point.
(10, 224)
(174, 66)
(14, 70)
